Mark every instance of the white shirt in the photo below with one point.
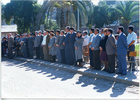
(102, 35)
(44, 40)
(132, 37)
(86, 40)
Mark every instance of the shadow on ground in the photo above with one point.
(100, 85)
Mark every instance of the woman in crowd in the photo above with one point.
(79, 49)
(103, 55)
(52, 47)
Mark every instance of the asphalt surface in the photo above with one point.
(28, 80)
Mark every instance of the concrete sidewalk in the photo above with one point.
(130, 78)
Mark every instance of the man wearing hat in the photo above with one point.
(10, 46)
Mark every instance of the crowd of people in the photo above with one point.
(73, 47)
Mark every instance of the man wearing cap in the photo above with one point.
(10, 46)
(30, 45)
(44, 46)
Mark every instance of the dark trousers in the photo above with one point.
(72, 56)
(67, 55)
(25, 54)
(10, 52)
(122, 64)
(96, 59)
(41, 53)
(37, 52)
(111, 62)
(131, 48)
(91, 57)
(30, 51)
(63, 60)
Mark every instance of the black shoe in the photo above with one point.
(104, 69)
(111, 72)
(133, 69)
(123, 74)
(118, 73)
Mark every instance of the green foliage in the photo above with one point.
(127, 10)
(137, 50)
(102, 14)
(51, 25)
(2, 11)
(23, 13)
(66, 12)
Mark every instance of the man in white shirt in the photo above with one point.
(89, 45)
(43, 44)
(131, 41)
(85, 44)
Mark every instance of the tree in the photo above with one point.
(66, 11)
(22, 12)
(102, 15)
(2, 11)
(127, 10)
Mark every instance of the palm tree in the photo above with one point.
(127, 10)
(66, 11)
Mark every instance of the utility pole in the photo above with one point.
(78, 18)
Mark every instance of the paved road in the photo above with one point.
(22, 79)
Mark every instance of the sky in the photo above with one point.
(95, 2)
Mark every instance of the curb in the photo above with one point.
(87, 73)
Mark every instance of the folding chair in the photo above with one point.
(132, 54)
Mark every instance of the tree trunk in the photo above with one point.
(62, 23)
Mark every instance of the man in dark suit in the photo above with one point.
(24, 39)
(10, 46)
(30, 45)
(47, 48)
(36, 44)
(122, 51)
(95, 49)
(61, 46)
(41, 56)
(71, 46)
(66, 44)
(90, 51)
(57, 37)
(111, 50)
